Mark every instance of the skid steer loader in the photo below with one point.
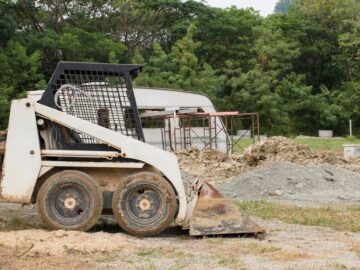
(79, 152)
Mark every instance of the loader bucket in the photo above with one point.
(216, 215)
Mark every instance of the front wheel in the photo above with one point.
(70, 200)
(144, 204)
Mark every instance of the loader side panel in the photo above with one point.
(130, 148)
(22, 161)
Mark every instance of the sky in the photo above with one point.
(264, 6)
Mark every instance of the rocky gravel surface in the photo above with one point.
(310, 185)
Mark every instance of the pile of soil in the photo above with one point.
(211, 165)
(281, 148)
(310, 185)
(214, 166)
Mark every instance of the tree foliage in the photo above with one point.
(282, 6)
(299, 68)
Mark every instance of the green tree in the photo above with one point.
(317, 25)
(350, 48)
(225, 34)
(299, 67)
(282, 6)
(7, 24)
(19, 73)
(271, 87)
(180, 69)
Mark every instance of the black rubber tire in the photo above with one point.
(154, 186)
(86, 202)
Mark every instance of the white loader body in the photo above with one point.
(23, 163)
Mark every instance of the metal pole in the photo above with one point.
(232, 133)
(258, 126)
(228, 146)
(350, 127)
(253, 127)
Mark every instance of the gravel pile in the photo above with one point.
(310, 185)
(215, 166)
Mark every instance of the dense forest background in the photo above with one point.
(300, 67)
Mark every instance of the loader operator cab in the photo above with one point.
(98, 93)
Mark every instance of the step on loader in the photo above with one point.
(79, 152)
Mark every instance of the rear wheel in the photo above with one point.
(145, 204)
(70, 200)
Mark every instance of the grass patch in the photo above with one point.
(146, 266)
(146, 252)
(233, 258)
(150, 254)
(99, 257)
(242, 144)
(260, 249)
(106, 256)
(17, 223)
(274, 253)
(232, 261)
(356, 248)
(342, 219)
(326, 144)
(167, 252)
(74, 252)
(338, 266)
(315, 143)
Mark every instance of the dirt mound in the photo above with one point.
(211, 165)
(215, 166)
(281, 148)
(310, 185)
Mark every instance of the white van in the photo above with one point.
(169, 135)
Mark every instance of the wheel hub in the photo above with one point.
(70, 203)
(144, 204)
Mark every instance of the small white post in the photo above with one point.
(350, 127)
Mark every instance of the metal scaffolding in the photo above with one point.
(179, 130)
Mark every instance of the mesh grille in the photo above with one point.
(96, 96)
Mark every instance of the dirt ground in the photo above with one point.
(25, 243)
(24, 246)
